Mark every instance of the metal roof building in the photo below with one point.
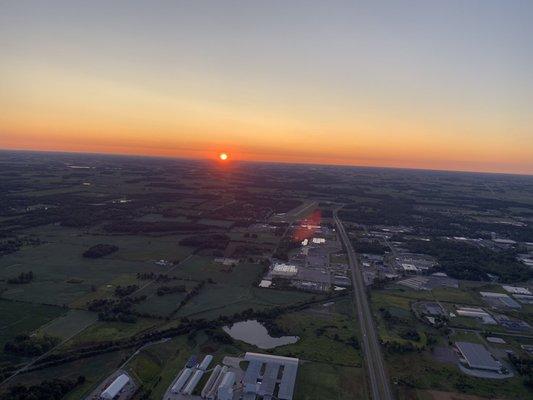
(180, 382)
(211, 381)
(205, 362)
(225, 390)
(270, 378)
(211, 395)
(252, 375)
(259, 384)
(286, 387)
(477, 356)
(115, 387)
(189, 388)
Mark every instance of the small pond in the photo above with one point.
(253, 332)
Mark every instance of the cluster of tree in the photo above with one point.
(54, 389)
(390, 211)
(394, 347)
(22, 278)
(249, 249)
(410, 334)
(123, 291)
(193, 292)
(285, 247)
(389, 318)
(9, 246)
(524, 366)
(163, 290)
(100, 250)
(464, 261)
(218, 337)
(370, 247)
(24, 345)
(213, 241)
(113, 310)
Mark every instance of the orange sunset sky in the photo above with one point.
(404, 84)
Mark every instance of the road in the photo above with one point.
(379, 382)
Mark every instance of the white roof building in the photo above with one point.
(476, 312)
(516, 289)
(225, 390)
(284, 270)
(115, 387)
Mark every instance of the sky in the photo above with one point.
(418, 84)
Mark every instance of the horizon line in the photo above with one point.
(309, 163)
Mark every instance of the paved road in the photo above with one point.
(379, 382)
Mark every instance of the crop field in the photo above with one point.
(161, 305)
(216, 299)
(102, 331)
(72, 322)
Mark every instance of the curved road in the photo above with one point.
(379, 382)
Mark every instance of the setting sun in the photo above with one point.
(223, 156)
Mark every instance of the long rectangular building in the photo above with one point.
(477, 356)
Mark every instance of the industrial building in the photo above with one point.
(188, 379)
(267, 377)
(262, 378)
(476, 356)
(284, 270)
(517, 290)
(115, 387)
(225, 389)
(499, 300)
(478, 313)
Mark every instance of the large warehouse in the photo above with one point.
(476, 356)
(267, 384)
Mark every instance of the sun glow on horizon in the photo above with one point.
(223, 156)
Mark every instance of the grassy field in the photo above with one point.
(103, 331)
(161, 305)
(419, 371)
(72, 322)
(19, 318)
(465, 296)
(220, 299)
(323, 338)
(319, 381)
(399, 308)
(63, 276)
(95, 369)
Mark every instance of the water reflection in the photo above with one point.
(253, 332)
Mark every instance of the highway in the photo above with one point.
(379, 383)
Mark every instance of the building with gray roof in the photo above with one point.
(476, 356)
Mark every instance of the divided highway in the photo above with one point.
(379, 382)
